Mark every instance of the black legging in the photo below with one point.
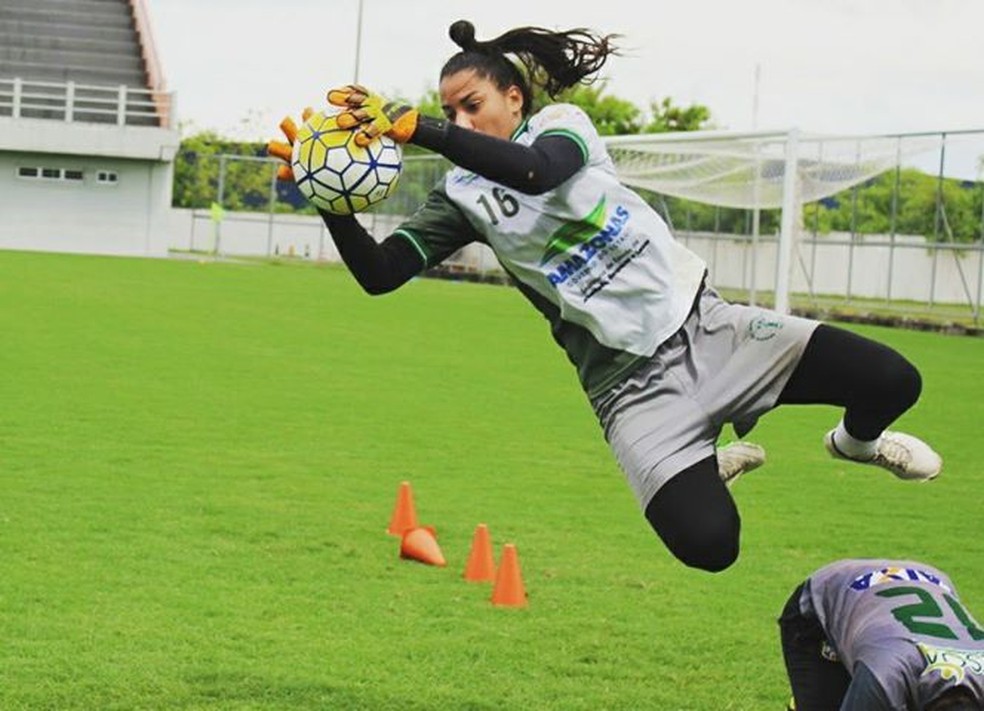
(874, 383)
(694, 514)
(817, 684)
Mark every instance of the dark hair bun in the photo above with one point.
(462, 33)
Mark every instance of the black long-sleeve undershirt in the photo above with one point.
(380, 267)
(532, 169)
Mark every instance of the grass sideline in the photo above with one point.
(198, 462)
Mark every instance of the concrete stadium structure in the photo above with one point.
(87, 129)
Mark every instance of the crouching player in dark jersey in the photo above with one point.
(881, 635)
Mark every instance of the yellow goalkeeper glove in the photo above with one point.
(284, 151)
(372, 115)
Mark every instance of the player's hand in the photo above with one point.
(284, 151)
(372, 115)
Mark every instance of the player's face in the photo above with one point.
(472, 101)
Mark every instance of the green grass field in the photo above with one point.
(198, 462)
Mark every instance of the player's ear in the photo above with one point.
(514, 100)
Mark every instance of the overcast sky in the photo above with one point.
(847, 66)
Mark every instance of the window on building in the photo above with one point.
(34, 172)
(107, 177)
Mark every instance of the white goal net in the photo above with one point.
(764, 170)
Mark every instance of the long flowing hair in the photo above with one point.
(550, 60)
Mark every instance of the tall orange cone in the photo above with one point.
(480, 566)
(420, 544)
(404, 514)
(509, 590)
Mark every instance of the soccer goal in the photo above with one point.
(785, 170)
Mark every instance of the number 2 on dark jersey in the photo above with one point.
(917, 616)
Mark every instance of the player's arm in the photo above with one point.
(436, 230)
(533, 169)
(379, 267)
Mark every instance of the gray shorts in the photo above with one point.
(727, 363)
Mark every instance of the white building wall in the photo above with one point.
(830, 267)
(121, 218)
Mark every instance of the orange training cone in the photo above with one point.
(420, 544)
(480, 566)
(509, 590)
(404, 515)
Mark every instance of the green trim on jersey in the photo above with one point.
(576, 233)
(581, 143)
(520, 129)
(416, 242)
(438, 228)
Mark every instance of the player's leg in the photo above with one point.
(817, 683)
(738, 458)
(694, 515)
(875, 385)
(872, 381)
(958, 698)
(865, 693)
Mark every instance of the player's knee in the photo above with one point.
(711, 547)
(900, 382)
(712, 559)
(909, 383)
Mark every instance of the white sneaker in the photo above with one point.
(907, 457)
(737, 458)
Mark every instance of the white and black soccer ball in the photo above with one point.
(338, 176)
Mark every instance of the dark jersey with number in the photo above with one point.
(904, 621)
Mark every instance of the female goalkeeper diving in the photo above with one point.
(665, 362)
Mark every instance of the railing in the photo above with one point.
(148, 48)
(86, 103)
(148, 51)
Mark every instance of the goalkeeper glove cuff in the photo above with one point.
(431, 133)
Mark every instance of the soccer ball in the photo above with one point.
(338, 176)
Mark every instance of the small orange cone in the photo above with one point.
(420, 544)
(404, 515)
(480, 566)
(509, 590)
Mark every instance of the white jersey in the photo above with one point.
(589, 254)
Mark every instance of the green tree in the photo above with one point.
(611, 115)
(923, 205)
(666, 117)
(246, 184)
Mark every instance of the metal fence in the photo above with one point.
(68, 101)
(937, 273)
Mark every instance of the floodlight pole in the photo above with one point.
(358, 42)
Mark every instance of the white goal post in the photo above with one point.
(760, 170)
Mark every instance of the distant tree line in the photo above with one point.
(907, 201)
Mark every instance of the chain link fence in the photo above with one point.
(908, 243)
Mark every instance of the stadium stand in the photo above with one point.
(86, 121)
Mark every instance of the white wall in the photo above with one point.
(125, 218)
(828, 265)
(129, 220)
(831, 265)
